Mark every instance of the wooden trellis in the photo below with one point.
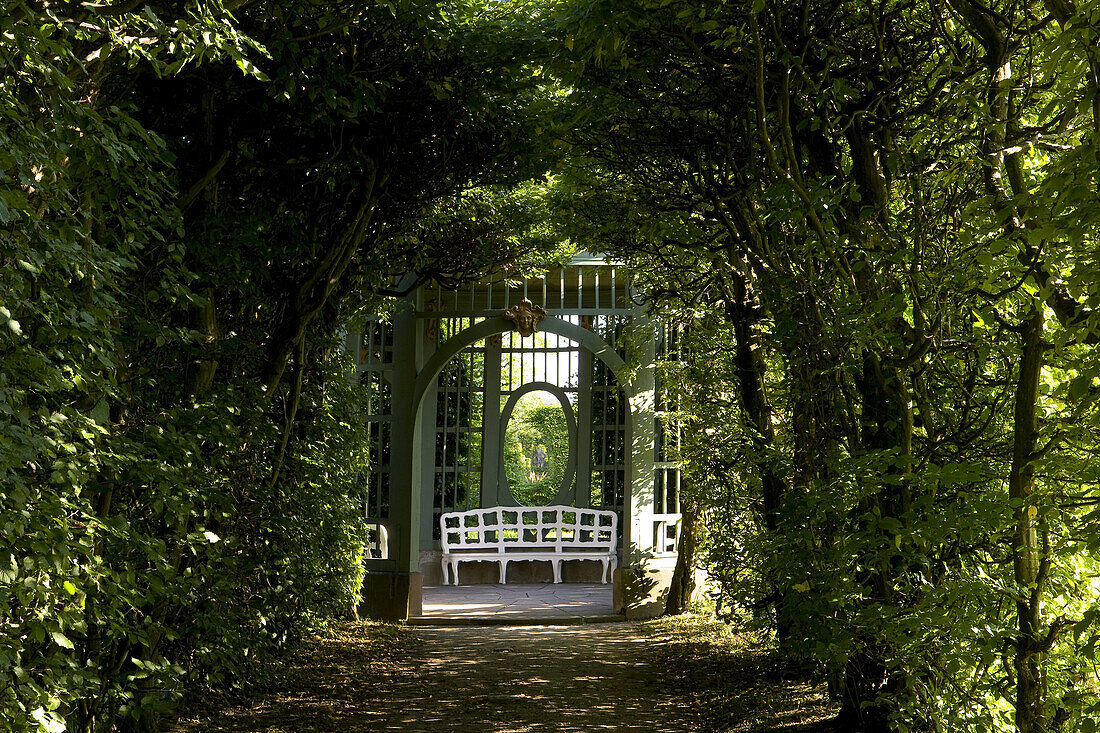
(444, 377)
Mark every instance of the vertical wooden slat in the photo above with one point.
(455, 460)
(441, 468)
(575, 367)
(469, 423)
(460, 393)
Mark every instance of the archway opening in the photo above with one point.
(537, 438)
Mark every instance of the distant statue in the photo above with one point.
(538, 460)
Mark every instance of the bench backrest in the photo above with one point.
(554, 528)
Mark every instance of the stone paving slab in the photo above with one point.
(520, 603)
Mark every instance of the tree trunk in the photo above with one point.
(205, 317)
(206, 364)
(887, 424)
(291, 410)
(311, 295)
(744, 312)
(1027, 558)
(683, 579)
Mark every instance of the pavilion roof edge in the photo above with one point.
(584, 257)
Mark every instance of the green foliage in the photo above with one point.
(858, 209)
(851, 195)
(194, 202)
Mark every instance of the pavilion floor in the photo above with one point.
(518, 604)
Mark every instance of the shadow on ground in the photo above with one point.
(735, 684)
(528, 678)
(614, 677)
(535, 678)
(330, 684)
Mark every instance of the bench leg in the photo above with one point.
(445, 581)
(557, 570)
(503, 570)
(603, 574)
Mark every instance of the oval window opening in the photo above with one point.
(536, 448)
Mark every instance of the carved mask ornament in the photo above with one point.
(525, 317)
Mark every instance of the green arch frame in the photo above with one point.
(561, 496)
(550, 324)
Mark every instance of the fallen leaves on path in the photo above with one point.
(332, 683)
(669, 676)
(735, 683)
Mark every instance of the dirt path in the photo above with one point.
(541, 678)
(471, 679)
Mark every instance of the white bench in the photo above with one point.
(502, 534)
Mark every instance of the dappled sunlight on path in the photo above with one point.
(538, 678)
(477, 679)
